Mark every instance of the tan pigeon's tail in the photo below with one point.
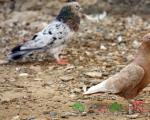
(97, 88)
(126, 79)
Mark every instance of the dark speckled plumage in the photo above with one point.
(55, 36)
(67, 16)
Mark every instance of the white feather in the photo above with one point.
(97, 88)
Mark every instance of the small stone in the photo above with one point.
(130, 111)
(68, 114)
(57, 98)
(77, 90)
(66, 78)
(64, 116)
(113, 97)
(91, 111)
(105, 73)
(53, 114)
(16, 118)
(23, 74)
(84, 88)
(2, 80)
(94, 82)
(37, 79)
(130, 57)
(69, 67)
(35, 68)
(134, 116)
(12, 80)
(102, 47)
(3, 62)
(51, 68)
(135, 44)
(31, 118)
(94, 74)
(18, 69)
(119, 39)
(73, 96)
(84, 114)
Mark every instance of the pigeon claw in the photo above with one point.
(62, 61)
(138, 106)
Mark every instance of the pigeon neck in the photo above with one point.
(145, 47)
(143, 54)
(69, 18)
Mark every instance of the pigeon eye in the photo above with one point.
(77, 7)
(148, 38)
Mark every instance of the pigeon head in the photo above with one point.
(71, 14)
(146, 38)
(145, 46)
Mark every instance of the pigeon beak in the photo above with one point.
(81, 11)
(83, 15)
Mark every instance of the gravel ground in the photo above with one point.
(39, 89)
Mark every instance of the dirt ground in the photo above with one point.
(39, 89)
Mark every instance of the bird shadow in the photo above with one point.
(30, 62)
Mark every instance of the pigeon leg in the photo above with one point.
(136, 105)
(60, 58)
(130, 107)
(62, 61)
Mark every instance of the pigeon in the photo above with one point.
(130, 80)
(53, 37)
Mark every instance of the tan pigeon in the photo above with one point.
(131, 79)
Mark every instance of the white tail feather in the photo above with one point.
(97, 88)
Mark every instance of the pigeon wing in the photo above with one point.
(127, 78)
(51, 36)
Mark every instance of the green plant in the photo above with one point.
(78, 106)
(115, 107)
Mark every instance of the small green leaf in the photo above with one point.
(78, 106)
(115, 107)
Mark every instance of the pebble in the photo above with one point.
(66, 78)
(37, 79)
(31, 118)
(84, 88)
(119, 39)
(102, 47)
(68, 114)
(134, 116)
(3, 62)
(83, 113)
(130, 57)
(77, 90)
(94, 82)
(53, 114)
(135, 44)
(94, 74)
(69, 67)
(12, 79)
(23, 74)
(73, 96)
(35, 68)
(2, 80)
(57, 98)
(16, 118)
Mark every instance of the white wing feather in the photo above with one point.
(55, 34)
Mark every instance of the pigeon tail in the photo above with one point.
(97, 88)
(17, 53)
